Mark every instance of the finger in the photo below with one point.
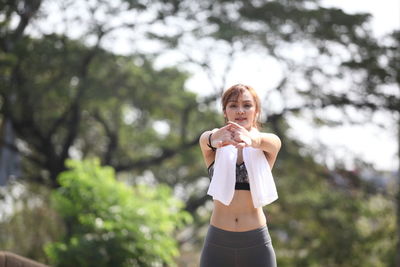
(240, 138)
(237, 137)
(231, 125)
(219, 144)
(225, 127)
(230, 142)
(234, 130)
(228, 126)
(222, 130)
(241, 145)
(235, 125)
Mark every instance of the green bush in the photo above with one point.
(111, 224)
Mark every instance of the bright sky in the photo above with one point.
(386, 13)
(375, 145)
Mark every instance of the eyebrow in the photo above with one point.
(235, 101)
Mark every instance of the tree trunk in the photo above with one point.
(9, 158)
(398, 196)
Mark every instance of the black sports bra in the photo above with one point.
(242, 178)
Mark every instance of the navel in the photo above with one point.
(236, 220)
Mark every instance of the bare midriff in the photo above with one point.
(240, 215)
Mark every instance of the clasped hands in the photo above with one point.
(236, 135)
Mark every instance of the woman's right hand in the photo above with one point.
(219, 138)
(223, 137)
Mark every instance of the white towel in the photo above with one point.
(262, 185)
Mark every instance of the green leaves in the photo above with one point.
(69, 96)
(112, 224)
(327, 217)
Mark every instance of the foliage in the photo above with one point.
(110, 110)
(327, 217)
(27, 222)
(67, 93)
(111, 224)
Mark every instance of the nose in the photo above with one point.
(240, 110)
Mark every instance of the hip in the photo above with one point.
(238, 240)
(238, 249)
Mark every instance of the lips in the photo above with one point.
(240, 119)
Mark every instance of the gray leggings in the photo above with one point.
(248, 249)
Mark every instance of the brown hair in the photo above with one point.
(234, 92)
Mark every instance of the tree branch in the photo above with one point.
(31, 158)
(193, 204)
(165, 154)
(112, 136)
(30, 9)
(75, 108)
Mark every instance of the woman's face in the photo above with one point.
(242, 111)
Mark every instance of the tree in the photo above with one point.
(27, 222)
(381, 79)
(111, 224)
(55, 88)
(71, 109)
(329, 217)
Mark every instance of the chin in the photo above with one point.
(245, 124)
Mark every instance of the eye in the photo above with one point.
(248, 105)
(232, 105)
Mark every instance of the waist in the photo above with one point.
(242, 239)
(238, 222)
(240, 215)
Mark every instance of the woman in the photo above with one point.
(238, 234)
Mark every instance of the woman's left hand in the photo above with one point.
(244, 137)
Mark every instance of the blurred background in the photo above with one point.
(102, 104)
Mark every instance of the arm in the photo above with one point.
(208, 153)
(269, 143)
(217, 138)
